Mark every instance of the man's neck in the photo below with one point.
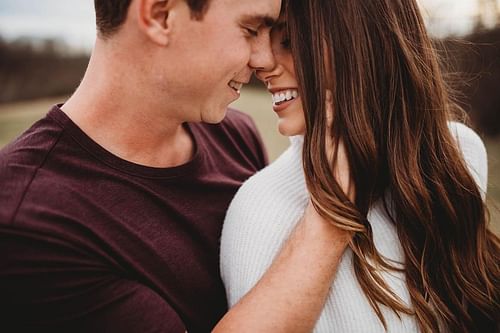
(111, 112)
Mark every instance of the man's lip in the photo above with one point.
(242, 82)
(237, 88)
(242, 79)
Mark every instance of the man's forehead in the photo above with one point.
(264, 12)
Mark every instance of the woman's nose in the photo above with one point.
(267, 75)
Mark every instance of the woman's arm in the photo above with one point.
(292, 293)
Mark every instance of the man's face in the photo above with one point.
(214, 56)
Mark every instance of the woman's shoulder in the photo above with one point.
(287, 165)
(281, 182)
(473, 152)
(466, 137)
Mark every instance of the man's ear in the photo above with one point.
(154, 20)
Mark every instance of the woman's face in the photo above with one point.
(282, 84)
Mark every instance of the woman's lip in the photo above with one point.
(283, 106)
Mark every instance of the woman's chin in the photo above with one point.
(289, 128)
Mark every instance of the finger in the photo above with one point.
(329, 144)
(329, 109)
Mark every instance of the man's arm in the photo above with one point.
(49, 284)
(292, 293)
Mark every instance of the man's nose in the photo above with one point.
(262, 58)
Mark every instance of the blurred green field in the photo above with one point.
(16, 117)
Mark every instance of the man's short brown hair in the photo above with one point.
(110, 14)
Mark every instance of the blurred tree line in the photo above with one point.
(473, 66)
(32, 69)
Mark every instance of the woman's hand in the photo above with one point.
(335, 151)
(341, 171)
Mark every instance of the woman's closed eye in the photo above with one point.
(285, 42)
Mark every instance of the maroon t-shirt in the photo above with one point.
(93, 243)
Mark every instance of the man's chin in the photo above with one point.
(215, 118)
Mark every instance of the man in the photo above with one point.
(111, 206)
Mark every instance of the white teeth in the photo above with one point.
(236, 85)
(285, 95)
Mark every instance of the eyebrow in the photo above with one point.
(265, 20)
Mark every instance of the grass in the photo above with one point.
(16, 117)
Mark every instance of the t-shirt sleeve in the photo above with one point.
(131, 307)
(474, 154)
(53, 285)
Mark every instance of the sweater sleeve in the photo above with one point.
(474, 154)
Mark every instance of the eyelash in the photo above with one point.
(251, 32)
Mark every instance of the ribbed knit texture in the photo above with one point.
(266, 209)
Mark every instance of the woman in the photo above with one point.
(421, 257)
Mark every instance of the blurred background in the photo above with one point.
(45, 47)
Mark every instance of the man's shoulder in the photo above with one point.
(31, 146)
(238, 134)
(236, 117)
(21, 159)
(240, 121)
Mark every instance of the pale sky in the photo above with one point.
(73, 20)
(455, 16)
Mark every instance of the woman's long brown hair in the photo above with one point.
(391, 109)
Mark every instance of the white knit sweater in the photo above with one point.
(265, 211)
